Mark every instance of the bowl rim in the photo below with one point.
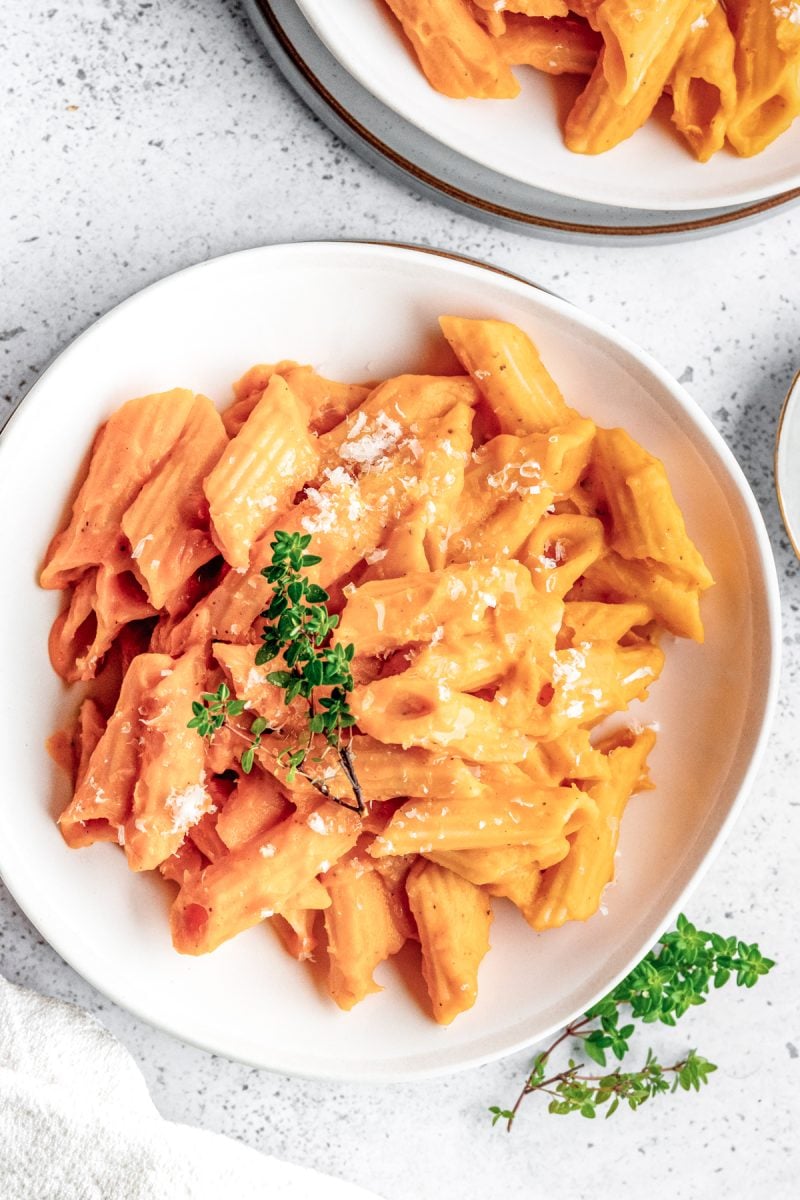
(321, 95)
(393, 1072)
(332, 35)
(791, 401)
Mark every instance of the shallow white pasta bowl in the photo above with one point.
(360, 311)
(787, 464)
(521, 138)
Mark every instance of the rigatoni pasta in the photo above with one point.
(729, 68)
(498, 573)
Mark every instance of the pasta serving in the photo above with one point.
(494, 575)
(730, 67)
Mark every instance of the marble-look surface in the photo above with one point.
(137, 138)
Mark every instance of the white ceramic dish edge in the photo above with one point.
(787, 453)
(400, 150)
(14, 436)
(362, 40)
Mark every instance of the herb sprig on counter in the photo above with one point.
(674, 977)
(297, 627)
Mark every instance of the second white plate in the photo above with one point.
(521, 139)
(787, 464)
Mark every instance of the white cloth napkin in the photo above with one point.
(77, 1123)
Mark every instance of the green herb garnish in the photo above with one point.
(674, 977)
(297, 627)
(215, 709)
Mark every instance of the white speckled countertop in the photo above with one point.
(138, 138)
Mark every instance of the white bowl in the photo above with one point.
(366, 311)
(787, 464)
(522, 140)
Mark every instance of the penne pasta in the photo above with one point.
(250, 684)
(238, 891)
(507, 369)
(571, 890)
(205, 837)
(296, 929)
(593, 621)
(615, 101)
(535, 8)
(125, 452)
(387, 423)
(255, 806)
(167, 523)
(260, 471)
(453, 918)
(646, 520)
(673, 603)
(560, 550)
(558, 46)
(456, 54)
(522, 816)
(634, 36)
(730, 67)
(326, 401)
(355, 657)
(183, 864)
(361, 929)
(483, 867)
(413, 711)
(519, 885)
(90, 729)
(103, 796)
(101, 606)
(572, 757)
(703, 84)
(597, 679)
(170, 795)
(492, 20)
(389, 771)
(768, 80)
(455, 598)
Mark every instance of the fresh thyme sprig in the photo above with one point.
(585, 1094)
(215, 709)
(674, 977)
(300, 628)
(297, 626)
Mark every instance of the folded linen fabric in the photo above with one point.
(77, 1123)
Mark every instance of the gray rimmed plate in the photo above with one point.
(401, 149)
(787, 463)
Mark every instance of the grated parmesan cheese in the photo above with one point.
(642, 673)
(187, 806)
(338, 485)
(368, 448)
(140, 545)
(567, 668)
(786, 12)
(317, 823)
